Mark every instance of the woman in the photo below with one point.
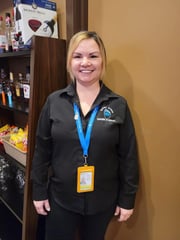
(86, 135)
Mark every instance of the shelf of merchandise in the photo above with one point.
(47, 61)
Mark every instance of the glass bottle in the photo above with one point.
(2, 36)
(12, 85)
(3, 85)
(8, 47)
(9, 96)
(21, 86)
(17, 90)
(3, 77)
(14, 35)
(26, 85)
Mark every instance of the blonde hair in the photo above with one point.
(74, 42)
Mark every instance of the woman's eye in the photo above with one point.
(76, 56)
(94, 56)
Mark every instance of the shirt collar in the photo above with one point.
(105, 92)
(70, 90)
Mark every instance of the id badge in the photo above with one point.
(85, 179)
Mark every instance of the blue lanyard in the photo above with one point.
(84, 140)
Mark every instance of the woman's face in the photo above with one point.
(86, 63)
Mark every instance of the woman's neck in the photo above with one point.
(87, 95)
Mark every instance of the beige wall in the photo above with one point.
(5, 5)
(143, 45)
(61, 10)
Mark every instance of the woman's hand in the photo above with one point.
(123, 214)
(42, 207)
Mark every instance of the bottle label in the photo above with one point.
(26, 89)
(15, 44)
(18, 92)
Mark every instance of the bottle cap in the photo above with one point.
(7, 14)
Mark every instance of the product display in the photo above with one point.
(15, 144)
(38, 17)
(14, 90)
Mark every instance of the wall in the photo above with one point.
(5, 5)
(143, 45)
(61, 10)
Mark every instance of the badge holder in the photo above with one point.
(85, 179)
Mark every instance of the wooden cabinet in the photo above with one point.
(47, 60)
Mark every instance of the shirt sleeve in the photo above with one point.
(42, 155)
(129, 170)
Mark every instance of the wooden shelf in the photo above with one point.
(16, 106)
(47, 60)
(23, 53)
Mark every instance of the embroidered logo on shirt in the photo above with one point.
(106, 114)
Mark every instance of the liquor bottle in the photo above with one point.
(26, 85)
(8, 47)
(12, 85)
(21, 86)
(2, 94)
(9, 96)
(3, 97)
(3, 77)
(14, 35)
(3, 85)
(17, 90)
(2, 36)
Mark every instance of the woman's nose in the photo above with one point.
(85, 61)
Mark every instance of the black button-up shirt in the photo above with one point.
(112, 151)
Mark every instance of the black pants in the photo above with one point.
(62, 224)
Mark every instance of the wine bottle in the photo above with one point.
(26, 85)
(2, 36)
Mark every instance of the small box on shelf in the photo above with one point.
(13, 151)
(35, 18)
